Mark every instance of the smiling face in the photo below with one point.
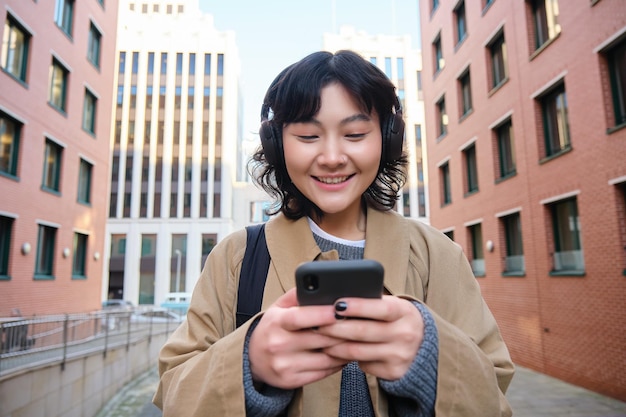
(334, 157)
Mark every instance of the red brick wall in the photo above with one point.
(570, 327)
(23, 198)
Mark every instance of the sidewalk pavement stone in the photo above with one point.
(531, 394)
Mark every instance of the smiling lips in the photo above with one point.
(333, 180)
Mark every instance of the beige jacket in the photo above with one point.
(201, 363)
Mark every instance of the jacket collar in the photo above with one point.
(291, 242)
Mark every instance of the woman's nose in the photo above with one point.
(332, 153)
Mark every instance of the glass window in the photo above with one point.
(476, 242)
(434, 5)
(10, 132)
(506, 149)
(400, 68)
(617, 74)
(15, 44)
(179, 260)
(122, 63)
(498, 56)
(58, 85)
(89, 112)
(163, 63)
(93, 45)
(6, 230)
(84, 182)
(388, 67)
(545, 19)
(555, 121)
(442, 117)
(179, 64)
(207, 64)
(461, 22)
(568, 252)
(52, 166)
(208, 243)
(420, 91)
(471, 170)
(46, 240)
(192, 64)
(80, 256)
(444, 177)
(150, 62)
(135, 63)
(465, 88)
(514, 260)
(63, 15)
(220, 64)
(438, 54)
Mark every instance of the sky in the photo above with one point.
(272, 34)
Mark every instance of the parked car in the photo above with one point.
(115, 304)
(177, 301)
(157, 315)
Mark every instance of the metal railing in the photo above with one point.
(29, 342)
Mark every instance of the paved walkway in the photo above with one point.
(531, 394)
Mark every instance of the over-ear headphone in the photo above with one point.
(392, 135)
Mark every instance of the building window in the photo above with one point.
(465, 90)
(444, 178)
(80, 256)
(388, 67)
(63, 15)
(10, 132)
(438, 54)
(178, 262)
(616, 58)
(555, 122)
(58, 85)
(506, 150)
(84, 182)
(179, 64)
(568, 253)
(15, 45)
(208, 243)
(52, 166)
(89, 112)
(163, 63)
(93, 45)
(471, 170)
(461, 22)
(46, 240)
(150, 63)
(400, 68)
(476, 243)
(6, 230)
(498, 57)
(420, 91)
(220, 64)
(434, 5)
(545, 15)
(450, 234)
(514, 259)
(442, 118)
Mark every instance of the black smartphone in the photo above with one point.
(323, 282)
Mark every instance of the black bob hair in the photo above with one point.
(295, 96)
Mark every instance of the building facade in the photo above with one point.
(55, 86)
(176, 129)
(526, 135)
(403, 65)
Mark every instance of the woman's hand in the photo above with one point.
(284, 350)
(386, 344)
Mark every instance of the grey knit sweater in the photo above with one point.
(412, 395)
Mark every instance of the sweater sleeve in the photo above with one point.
(267, 401)
(415, 393)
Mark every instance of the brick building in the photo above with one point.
(526, 139)
(56, 80)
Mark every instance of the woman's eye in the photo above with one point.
(307, 137)
(355, 135)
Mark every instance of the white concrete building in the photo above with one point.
(403, 65)
(176, 134)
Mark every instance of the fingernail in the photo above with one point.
(341, 306)
(339, 317)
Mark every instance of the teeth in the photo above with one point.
(333, 180)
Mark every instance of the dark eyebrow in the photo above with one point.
(359, 117)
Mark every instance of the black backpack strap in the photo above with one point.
(256, 262)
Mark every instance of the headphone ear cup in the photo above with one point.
(394, 137)
(270, 141)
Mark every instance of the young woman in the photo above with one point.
(332, 157)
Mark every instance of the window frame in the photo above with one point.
(446, 187)
(513, 245)
(617, 83)
(560, 227)
(471, 169)
(58, 74)
(16, 67)
(51, 177)
(439, 61)
(94, 45)
(498, 58)
(555, 121)
(14, 145)
(477, 261)
(507, 166)
(90, 111)
(545, 22)
(6, 234)
(465, 93)
(460, 22)
(44, 260)
(64, 16)
(79, 255)
(85, 176)
(442, 118)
